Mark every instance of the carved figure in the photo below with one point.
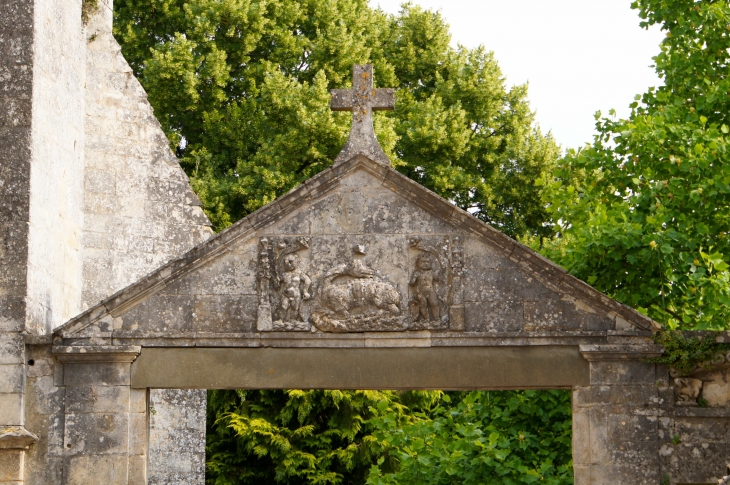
(687, 390)
(296, 286)
(429, 283)
(423, 280)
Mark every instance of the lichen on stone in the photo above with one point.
(88, 8)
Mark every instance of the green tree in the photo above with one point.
(643, 212)
(302, 437)
(384, 437)
(241, 88)
(500, 438)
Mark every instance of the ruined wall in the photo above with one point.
(695, 434)
(16, 93)
(94, 153)
(139, 213)
(56, 176)
(41, 162)
(138, 206)
(14, 173)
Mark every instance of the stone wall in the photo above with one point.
(16, 93)
(138, 206)
(176, 437)
(41, 162)
(57, 166)
(96, 154)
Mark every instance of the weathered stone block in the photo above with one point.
(623, 427)
(100, 374)
(552, 315)
(43, 396)
(138, 469)
(96, 469)
(640, 396)
(11, 409)
(600, 445)
(138, 434)
(494, 316)
(388, 213)
(581, 436)
(695, 462)
(11, 465)
(622, 373)
(12, 349)
(97, 399)
(702, 430)
(97, 434)
(339, 213)
(716, 388)
(160, 314)
(222, 313)
(11, 378)
(138, 401)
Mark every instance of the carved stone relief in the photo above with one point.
(352, 298)
(429, 283)
(284, 286)
(352, 294)
(687, 390)
(710, 381)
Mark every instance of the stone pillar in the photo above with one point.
(16, 93)
(176, 437)
(105, 428)
(616, 417)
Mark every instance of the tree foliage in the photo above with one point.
(241, 88)
(500, 438)
(643, 212)
(384, 437)
(301, 437)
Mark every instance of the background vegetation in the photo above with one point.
(241, 88)
(642, 213)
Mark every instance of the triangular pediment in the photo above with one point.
(357, 248)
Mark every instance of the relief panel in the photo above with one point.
(337, 283)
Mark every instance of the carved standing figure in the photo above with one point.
(423, 280)
(296, 286)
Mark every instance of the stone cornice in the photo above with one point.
(16, 438)
(97, 354)
(620, 352)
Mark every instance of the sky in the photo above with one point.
(579, 56)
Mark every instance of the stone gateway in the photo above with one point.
(357, 279)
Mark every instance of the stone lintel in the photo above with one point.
(16, 438)
(455, 368)
(620, 352)
(97, 354)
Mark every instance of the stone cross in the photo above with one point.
(362, 100)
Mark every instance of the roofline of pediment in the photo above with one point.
(547, 272)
